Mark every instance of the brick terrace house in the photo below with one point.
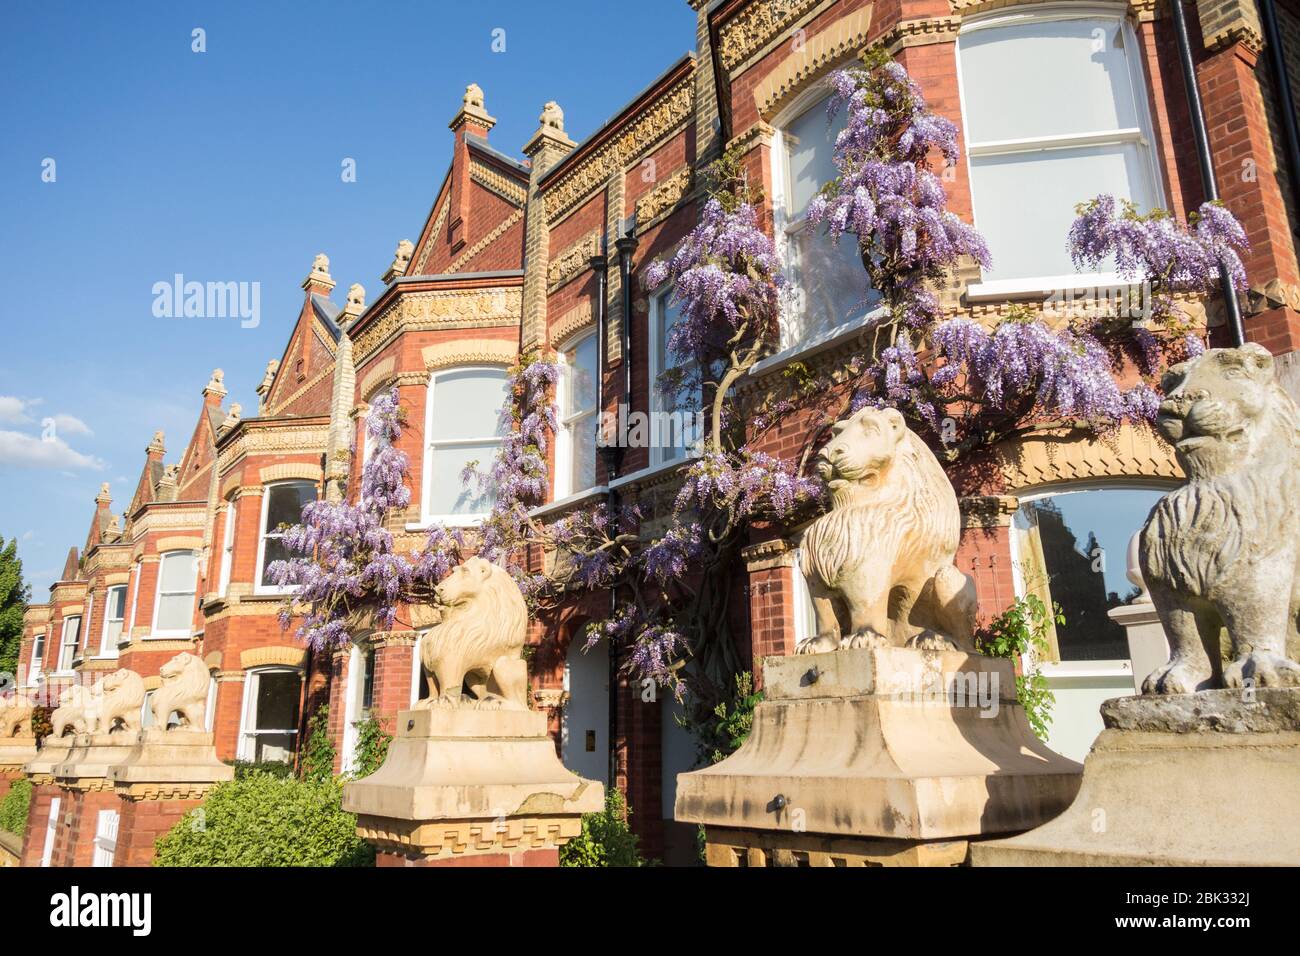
(1056, 102)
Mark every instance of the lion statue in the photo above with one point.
(1223, 551)
(184, 692)
(478, 645)
(15, 716)
(879, 564)
(115, 703)
(71, 715)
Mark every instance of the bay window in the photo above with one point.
(68, 645)
(826, 285)
(575, 444)
(1055, 113)
(282, 505)
(463, 426)
(114, 620)
(174, 606)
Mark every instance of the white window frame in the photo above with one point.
(489, 444)
(1062, 669)
(263, 534)
(245, 748)
(785, 229)
(134, 584)
(51, 830)
(1141, 135)
(65, 646)
(83, 644)
(107, 647)
(658, 305)
(805, 620)
(563, 433)
(156, 633)
(227, 549)
(40, 645)
(210, 712)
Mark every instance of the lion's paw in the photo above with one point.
(1176, 677)
(931, 641)
(864, 637)
(821, 644)
(1263, 670)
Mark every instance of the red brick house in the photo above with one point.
(1056, 102)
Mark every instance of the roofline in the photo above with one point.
(481, 144)
(604, 128)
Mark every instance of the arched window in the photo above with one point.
(1054, 103)
(575, 444)
(463, 425)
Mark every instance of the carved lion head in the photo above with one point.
(1217, 406)
(465, 582)
(861, 446)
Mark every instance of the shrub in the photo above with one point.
(273, 768)
(317, 759)
(371, 749)
(263, 820)
(14, 807)
(606, 839)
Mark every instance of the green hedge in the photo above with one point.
(14, 807)
(263, 820)
(606, 839)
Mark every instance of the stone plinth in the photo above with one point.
(869, 756)
(166, 774)
(1148, 647)
(86, 794)
(471, 787)
(1207, 779)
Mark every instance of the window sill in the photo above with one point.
(168, 636)
(447, 521)
(1045, 287)
(819, 343)
(568, 501)
(663, 469)
(1077, 670)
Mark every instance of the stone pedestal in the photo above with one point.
(166, 774)
(877, 756)
(15, 754)
(1208, 779)
(87, 793)
(471, 787)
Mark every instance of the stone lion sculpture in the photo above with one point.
(1223, 550)
(879, 564)
(70, 715)
(115, 703)
(184, 692)
(15, 716)
(478, 645)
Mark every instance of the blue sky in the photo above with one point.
(226, 166)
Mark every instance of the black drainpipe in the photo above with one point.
(1209, 186)
(1285, 100)
(610, 454)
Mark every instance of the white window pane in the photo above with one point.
(810, 142)
(1025, 202)
(1046, 78)
(174, 612)
(116, 603)
(467, 404)
(582, 459)
(177, 572)
(112, 634)
(448, 495)
(580, 361)
(830, 284)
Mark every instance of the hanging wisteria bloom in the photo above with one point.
(886, 195)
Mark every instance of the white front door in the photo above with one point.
(584, 740)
